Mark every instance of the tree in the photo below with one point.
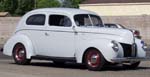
(20, 7)
(24, 6)
(47, 3)
(1, 6)
(71, 3)
(8, 5)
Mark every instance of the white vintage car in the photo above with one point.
(73, 35)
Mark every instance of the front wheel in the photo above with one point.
(132, 65)
(94, 60)
(19, 55)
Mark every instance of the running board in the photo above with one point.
(41, 57)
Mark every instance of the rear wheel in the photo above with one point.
(94, 60)
(19, 55)
(131, 65)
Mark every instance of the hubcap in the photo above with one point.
(20, 52)
(93, 59)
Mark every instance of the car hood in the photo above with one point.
(120, 35)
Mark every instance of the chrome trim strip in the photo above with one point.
(66, 31)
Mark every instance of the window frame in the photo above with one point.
(89, 16)
(59, 25)
(36, 15)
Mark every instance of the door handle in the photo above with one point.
(75, 32)
(46, 34)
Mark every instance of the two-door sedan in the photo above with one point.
(73, 35)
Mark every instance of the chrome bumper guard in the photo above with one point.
(127, 59)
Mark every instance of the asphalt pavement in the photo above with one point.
(42, 68)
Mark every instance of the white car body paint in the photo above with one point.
(71, 41)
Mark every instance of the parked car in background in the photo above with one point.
(73, 35)
(111, 25)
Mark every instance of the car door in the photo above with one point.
(35, 25)
(59, 36)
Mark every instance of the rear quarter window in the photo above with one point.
(38, 19)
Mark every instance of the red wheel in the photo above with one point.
(94, 60)
(19, 55)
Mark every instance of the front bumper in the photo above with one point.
(130, 59)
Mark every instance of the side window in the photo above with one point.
(96, 20)
(38, 19)
(59, 20)
(82, 20)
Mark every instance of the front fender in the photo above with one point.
(103, 45)
(140, 51)
(19, 38)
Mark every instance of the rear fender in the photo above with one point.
(19, 38)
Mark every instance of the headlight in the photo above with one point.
(144, 45)
(115, 46)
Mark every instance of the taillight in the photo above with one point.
(137, 34)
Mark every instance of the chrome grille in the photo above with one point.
(129, 50)
(134, 50)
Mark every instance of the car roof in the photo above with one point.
(64, 10)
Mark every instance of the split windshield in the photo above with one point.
(88, 20)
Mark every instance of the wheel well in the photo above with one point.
(86, 52)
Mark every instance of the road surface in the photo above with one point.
(39, 68)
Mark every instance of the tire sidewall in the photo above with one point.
(101, 63)
(24, 60)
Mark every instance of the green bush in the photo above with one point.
(8, 5)
(20, 7)
(47, 3)
(71, 3)
(24, 6)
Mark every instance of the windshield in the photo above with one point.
(86, 20)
